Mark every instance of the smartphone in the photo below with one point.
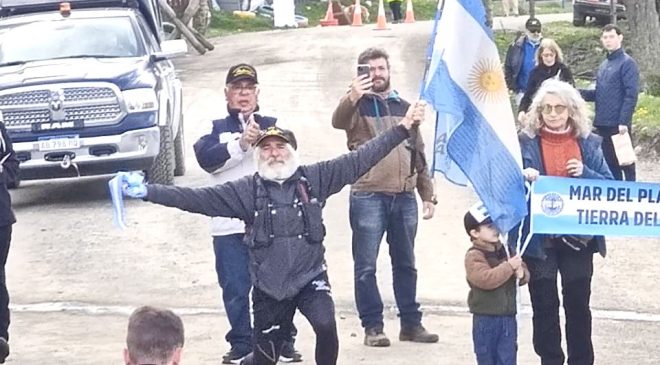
(363, 70)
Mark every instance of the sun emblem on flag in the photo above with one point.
(486, 81)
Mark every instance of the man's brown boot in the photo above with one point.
(417, 334)
(375, 337)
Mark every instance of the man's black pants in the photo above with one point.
(273, 320)
(627, 173)
(5, 239)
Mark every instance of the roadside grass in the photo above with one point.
(224, 23)
(646, 122)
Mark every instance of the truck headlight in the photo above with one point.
(140, 100)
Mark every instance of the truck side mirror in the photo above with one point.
(170, 48)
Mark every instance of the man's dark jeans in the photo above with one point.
(627, 173)
(231, 265)
(371, 215)
(273, 321)
(495, 339)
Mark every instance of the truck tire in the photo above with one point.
(579, 19)
(179, 151)
(162, 169)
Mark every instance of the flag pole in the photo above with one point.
(422, 86)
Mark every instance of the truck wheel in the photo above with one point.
(162, 169)
(579, 19)
(179, 152)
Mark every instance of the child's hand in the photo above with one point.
(515, 262)
(531, 174)
(520, 273)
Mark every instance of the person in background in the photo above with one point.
(520, 58)
(549, 64)
(383, 201)
(395, 7)
(615, 96)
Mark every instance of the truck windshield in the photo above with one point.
(65, 38)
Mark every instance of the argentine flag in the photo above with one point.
(475, 131)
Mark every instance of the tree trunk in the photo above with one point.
(202, 18)
(488, 6)
(644, 44)
(532, 8)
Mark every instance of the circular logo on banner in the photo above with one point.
(552, 204)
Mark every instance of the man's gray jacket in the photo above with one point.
(285, 240)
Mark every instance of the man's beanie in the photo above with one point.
(533, 24)
(242, 71)
(283, 134)
(476, 216)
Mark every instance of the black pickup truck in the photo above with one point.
(87, 88)
(597, 9)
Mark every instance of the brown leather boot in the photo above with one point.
(375, 337)
(417, 334)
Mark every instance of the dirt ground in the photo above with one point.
(74, 278)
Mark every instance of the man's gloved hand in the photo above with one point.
(132, 184)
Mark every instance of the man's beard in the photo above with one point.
(385, 87)
(278, 171)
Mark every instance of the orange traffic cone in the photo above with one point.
(330, 19)
(410, 14)
(357, 14)
(381, 22)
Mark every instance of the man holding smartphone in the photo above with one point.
(227, 154)
(383, 200)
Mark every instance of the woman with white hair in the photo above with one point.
(557, 141)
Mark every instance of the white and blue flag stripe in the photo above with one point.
(475, 126)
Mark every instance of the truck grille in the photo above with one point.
(95, 104)
(88, 93)
(26, 98)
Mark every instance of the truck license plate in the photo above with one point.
(59, 143)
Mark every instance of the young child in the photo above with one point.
(492, 299)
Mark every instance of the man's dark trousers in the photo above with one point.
(273, 320)
(5, 239)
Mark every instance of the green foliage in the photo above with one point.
(646, 121)
(653, 84)
(313, 11)
(647, 113)
(224, 22)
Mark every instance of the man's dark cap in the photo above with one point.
(533, 24)
(284, 134)
(242, 71)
